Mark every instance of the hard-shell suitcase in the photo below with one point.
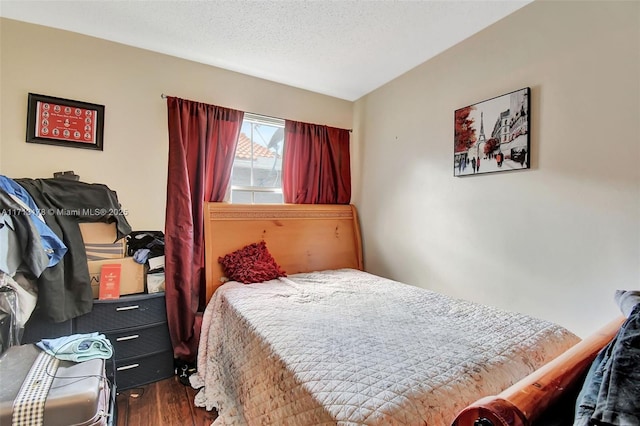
(78, 394)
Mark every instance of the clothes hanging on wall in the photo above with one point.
(20, 243)
(23, 258)
(53, 246)
(64, 290)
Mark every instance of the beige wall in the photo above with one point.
(554, 241)
(128, 81)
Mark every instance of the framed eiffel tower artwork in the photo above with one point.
(493, 135)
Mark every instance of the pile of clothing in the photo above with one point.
(42, 254)
(143, 245)
(147, 248)
(610, 394)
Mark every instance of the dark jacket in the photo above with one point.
(64, 290)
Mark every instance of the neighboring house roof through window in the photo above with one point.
(243, 150)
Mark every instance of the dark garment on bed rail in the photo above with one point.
(611, 392)
(64, 290)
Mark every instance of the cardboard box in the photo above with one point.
(131, 275)
(99, 241)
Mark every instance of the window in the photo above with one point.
(256, 176)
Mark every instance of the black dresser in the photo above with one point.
(136, 325)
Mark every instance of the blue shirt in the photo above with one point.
(53, 246)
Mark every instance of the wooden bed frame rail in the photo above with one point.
(525, 401)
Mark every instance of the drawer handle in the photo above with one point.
(128, 367)
(122, 339)
(127, 308)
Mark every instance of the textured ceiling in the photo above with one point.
(343, 48)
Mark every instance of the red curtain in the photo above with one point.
(202, 143)
(316, 164)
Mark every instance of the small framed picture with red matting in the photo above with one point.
(64, 122)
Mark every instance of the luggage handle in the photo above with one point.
(128, 308)
(127, 367)
(122, 339)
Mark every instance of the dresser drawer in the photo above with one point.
(139, 341)
(38, 327)
(133, 372)
(126, 312)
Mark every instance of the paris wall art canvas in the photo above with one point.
(493, 135)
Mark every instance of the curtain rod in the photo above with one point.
(163, 96)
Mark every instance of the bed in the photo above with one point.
(332, 344)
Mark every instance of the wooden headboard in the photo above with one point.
(301, 237)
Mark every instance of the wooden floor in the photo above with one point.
(167, 402)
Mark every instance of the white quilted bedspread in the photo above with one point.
(349, 348)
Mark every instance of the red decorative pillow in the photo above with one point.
(251, 264)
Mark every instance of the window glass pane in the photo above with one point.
(268, 198)
(258, 160)
(241, 173)
(240, 197)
